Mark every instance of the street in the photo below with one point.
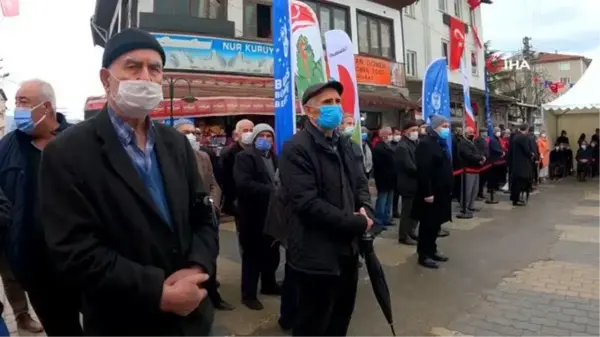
(512, 271)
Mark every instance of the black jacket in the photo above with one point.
(5, 209)
(254, 186)
(496, 152)
(226, 162)
(406, 165)
(584, 154)
(434, 177)
(469, 154)
(106, 234)
(521, 156)
(482, 145)
(324, 187)
(384, 171)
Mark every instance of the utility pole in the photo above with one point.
(528, 55)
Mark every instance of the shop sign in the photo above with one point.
(200, 53)
(374, 71)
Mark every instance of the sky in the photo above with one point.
(52, 40)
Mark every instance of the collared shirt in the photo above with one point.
(145, 162)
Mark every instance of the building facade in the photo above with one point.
(220, 52)
(566, 69)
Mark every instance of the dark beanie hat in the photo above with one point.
(409, 124)
(128, 40)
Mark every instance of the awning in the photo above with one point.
(384, 97)
(100, 21)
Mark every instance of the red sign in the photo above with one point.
(206, 107)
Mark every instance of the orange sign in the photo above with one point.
(370, 70)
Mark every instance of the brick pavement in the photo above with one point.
(558, 297)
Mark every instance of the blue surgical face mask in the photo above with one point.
(364, 136)
(330, 116)
(444, 133)
(24, 120)
(262, 144)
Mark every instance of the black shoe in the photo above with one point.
(285, 327)
(407, 241)
(414, 236)
(396, 215)
(443, 233)
(428, 263)
(474, 209)
(224, 306)
(217, 284)
(439, 257)
(518, 203)
(253, 304)
(274, 290)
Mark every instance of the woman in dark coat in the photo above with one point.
(432, 203)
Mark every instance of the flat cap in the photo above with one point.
(128, 40)
(316, 89)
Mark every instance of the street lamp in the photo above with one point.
(189, 98)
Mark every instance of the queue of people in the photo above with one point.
(117, 218)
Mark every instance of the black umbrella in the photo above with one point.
(377, 277)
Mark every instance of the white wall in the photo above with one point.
(425, 31)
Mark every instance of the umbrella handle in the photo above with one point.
(393, 330)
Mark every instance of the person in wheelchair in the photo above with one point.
(584, 158)
(557, 166)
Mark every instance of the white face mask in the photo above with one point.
(193, 142)
(246, 138)
(397, 138)
(389, 138)
(348, 130)
(136, 98)
(413, 135)
(498, 134)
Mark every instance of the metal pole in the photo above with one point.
(463, 189)
(172, 93)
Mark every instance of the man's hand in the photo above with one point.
(503, 154)
(363, 212)
(178, 275)
(184, 296)
(429, 199)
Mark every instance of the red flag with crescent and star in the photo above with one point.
(301, 16)
(457, 42)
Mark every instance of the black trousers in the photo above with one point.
(260, 259)
(326, 302)
(407, 223)
(457, 187)
(289, 298)
(428, 233)
(483, 178)
(395, 202)
(518, 186)
(57, 308)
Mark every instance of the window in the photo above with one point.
(442, 5)
(565, 80)
(330, 16)
(445, 52)
(411, 63)
(375, 36)
(474, 67)
(457, 8)
(564, 66)
(409, 10)
(208, 9)
(257, 19)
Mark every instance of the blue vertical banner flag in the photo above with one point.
(436, 92)
(283, 76)
(488, 110)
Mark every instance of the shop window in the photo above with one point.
(411, 63)
(370, 120)
(330, 16)
(257, 19)
(375, 36)
(208, 9)
(565, 80)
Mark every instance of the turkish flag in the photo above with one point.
(457, 42)
(10, 7)
(474, 4)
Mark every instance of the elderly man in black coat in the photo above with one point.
(123, 206)
(522, 157)
(329, 208)
(384, 173)
(432, 203)
(406, 166)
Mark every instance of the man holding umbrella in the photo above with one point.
(328, 205)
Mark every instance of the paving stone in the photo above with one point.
(593, 330)
(528, 326)
(499, 320)
(575, 312)
(554, 331)
(571, 326)
(483, 332)
(544, 321)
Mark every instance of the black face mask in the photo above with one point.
(470, 137)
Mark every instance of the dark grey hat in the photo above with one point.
(128, 40)
(316, 89)
(437, 120)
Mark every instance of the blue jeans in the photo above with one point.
(383, 208)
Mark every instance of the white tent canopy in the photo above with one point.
(583, 97)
